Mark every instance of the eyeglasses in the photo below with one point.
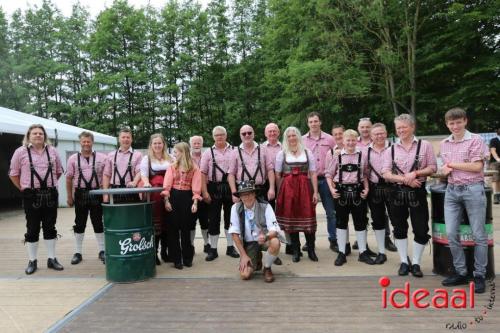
(246, 133)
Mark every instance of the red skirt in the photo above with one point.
(159, 212)
(295, 211)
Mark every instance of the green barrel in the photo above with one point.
(442, 259)
(130, 243)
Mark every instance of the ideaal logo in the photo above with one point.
(422, 298)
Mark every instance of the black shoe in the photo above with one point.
(158, 261)
(404, 269)
(296, 254)
(178, 265)
(311, 253)
(479, 285)
(77, 258)
(370, 252)
(54, 264)
(188, 263)
(212, 254)
(389, 245)
(416, 271)
(348, 249)
(455, 280)
(192, 246)
(304, 248)
(278, 261)
(206, 248)
(334, 246)
(32, 267)
(102, 257)
(365, 257)
(232, 252)
(381, 258)
(288, 249)
(341, 259)
(355, 245)
(496, 198)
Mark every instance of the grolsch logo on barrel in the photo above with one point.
(136, 243)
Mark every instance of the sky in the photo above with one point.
(94, 6)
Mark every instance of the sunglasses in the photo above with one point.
(246, 133)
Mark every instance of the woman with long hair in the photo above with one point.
(153, 168)
(182, 192)
(295, 170)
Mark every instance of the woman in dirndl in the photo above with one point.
(295, 170)
(153, 168)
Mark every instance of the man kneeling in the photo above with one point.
(254, 229)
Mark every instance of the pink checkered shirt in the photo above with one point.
(319, 148)
(183, 181)
(121, 164)
(271, 151)
(376, 161)
(404, 158)
(86, 166)
(196, 159)
(20, 166)
(362, 145)
(250, 160)
(469, 149)
(222, 159)
(332, 170)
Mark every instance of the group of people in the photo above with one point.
(268, 192)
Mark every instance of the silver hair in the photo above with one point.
(406, 118)
(219, 128)
(379, 125)
(300, 144)
(195, 137)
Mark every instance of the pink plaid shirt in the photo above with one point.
(469, 149)
(222, 159)
(362, 145)
(121, 165)
(86, 166)
(319, 148)
(404, 158)
(271, 151)
(183, 181)
(196, 159)
(376, 161)
(250, 160)
(20, 166)
(332, 170)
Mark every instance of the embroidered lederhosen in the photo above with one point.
(218, 190)
(123, 183)
(350, 194)
(401, 194)
(43, 196)
(82, 196)
(261, 187)
(379, 190)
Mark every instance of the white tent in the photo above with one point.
(13, 126)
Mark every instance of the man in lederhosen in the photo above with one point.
(407, 164)
(216, 191)
(249, 162)
(196, 144)
(122, 168)
(34, 169)
(378, 201)
(84, 173)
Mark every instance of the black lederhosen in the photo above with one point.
(40, 204)
(123, 198)
(410, 202)
(260, 189)
(378, 199)
(220, 193)
(85, 203)
(350, 201)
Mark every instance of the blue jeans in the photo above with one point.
(472, 200)
(327, 201)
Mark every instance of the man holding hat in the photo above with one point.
(254, 229)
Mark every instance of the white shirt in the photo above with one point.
(252, 235)
(155, 165)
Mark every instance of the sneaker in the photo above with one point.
(479, 285)
(341, 259)
(455, 280)
(365, 257)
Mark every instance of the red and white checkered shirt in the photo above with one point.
(271, 151)
(86, 166)
(319, 148)
(250, 160)
(121, 165)
(469, 149)
(376, 161)
(222, 159)
(332, 170)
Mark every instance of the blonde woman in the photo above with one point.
(182, 192)
(153, 168)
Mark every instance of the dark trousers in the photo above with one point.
(40, 209)
(358, 213)
(214, 214)
(81, 214)
(201, 215)
(180, 223)
(407, 202)
(379, 208)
